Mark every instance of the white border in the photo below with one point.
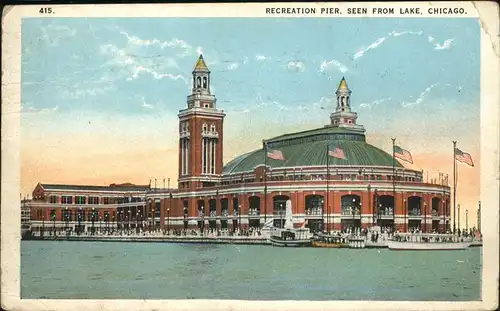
(10, 212)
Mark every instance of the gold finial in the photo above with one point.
(200, 64)
(343, 84)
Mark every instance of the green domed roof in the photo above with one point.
(309, 148)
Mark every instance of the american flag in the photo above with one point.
(463, 157)
(402, 154)
(275, 155)
(337, 153)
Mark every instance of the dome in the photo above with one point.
(309, 148)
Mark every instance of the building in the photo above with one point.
(366, 186)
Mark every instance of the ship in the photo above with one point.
(288, 236)
(428, 242)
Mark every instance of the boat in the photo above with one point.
(429, 242)
(288, 236)
(328, 241)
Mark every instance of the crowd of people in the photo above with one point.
(139, 232)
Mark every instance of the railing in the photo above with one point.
(253, 212)
(210, 134)
(235, 213)
(212, 214)
(279, 213)
(414, 213)
(315, 211)
(434, 213)
(185, 134)
(386, 212)
(224, 213)
(349, 212)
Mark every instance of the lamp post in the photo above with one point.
(168, 210)
(406, 214)
(239, 217)
(53, 218)
(281, 215)
(168, 221)
(185, 219)
(479, 217)
(466, 220)
(43, 224)
(129, 219)
(100, 223)
(66, 218)
(425, 217)
(202, 220)
(113, 222)
(353, 212)
(458, 220)
(92, 218)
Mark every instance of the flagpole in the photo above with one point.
(265, 183)
(393, 185)
(454, 186)
(327, 185)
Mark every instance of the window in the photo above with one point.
(105, 201)
(53, 199)
(205, 127)
(93, 200)
(66, 199)
(212, 128)
(80, 200)
(157, 209)
(204, 82)
(206, 105)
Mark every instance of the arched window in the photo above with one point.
(204, 82)
(204, 127)
(199, 82)
(212, 128)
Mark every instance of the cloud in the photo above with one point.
(373, 103)
(199, 50)
(372, 46)
(421, 97)
(133, 66)
(445, 46)
(30, 110)
(174, 43)
(397, 34)
(261, 57)
(53, 34)
(332, 64)
(146, 105)
(233, 66)
(296, 66)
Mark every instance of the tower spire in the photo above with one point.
(343, 116)
(201, 65)
(201, 77)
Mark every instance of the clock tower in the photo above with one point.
(200, 134)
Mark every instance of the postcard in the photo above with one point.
(250, 156)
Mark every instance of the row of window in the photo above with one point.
(313, 138)
(236, 180)
(67, 199)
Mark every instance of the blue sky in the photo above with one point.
(98, 90)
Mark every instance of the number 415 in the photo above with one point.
(45, 11)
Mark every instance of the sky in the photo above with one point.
(100, 97)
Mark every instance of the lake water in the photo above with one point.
(100, 270)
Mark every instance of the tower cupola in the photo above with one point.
(343, 116)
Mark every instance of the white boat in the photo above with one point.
(428, 242)
(290, 236)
